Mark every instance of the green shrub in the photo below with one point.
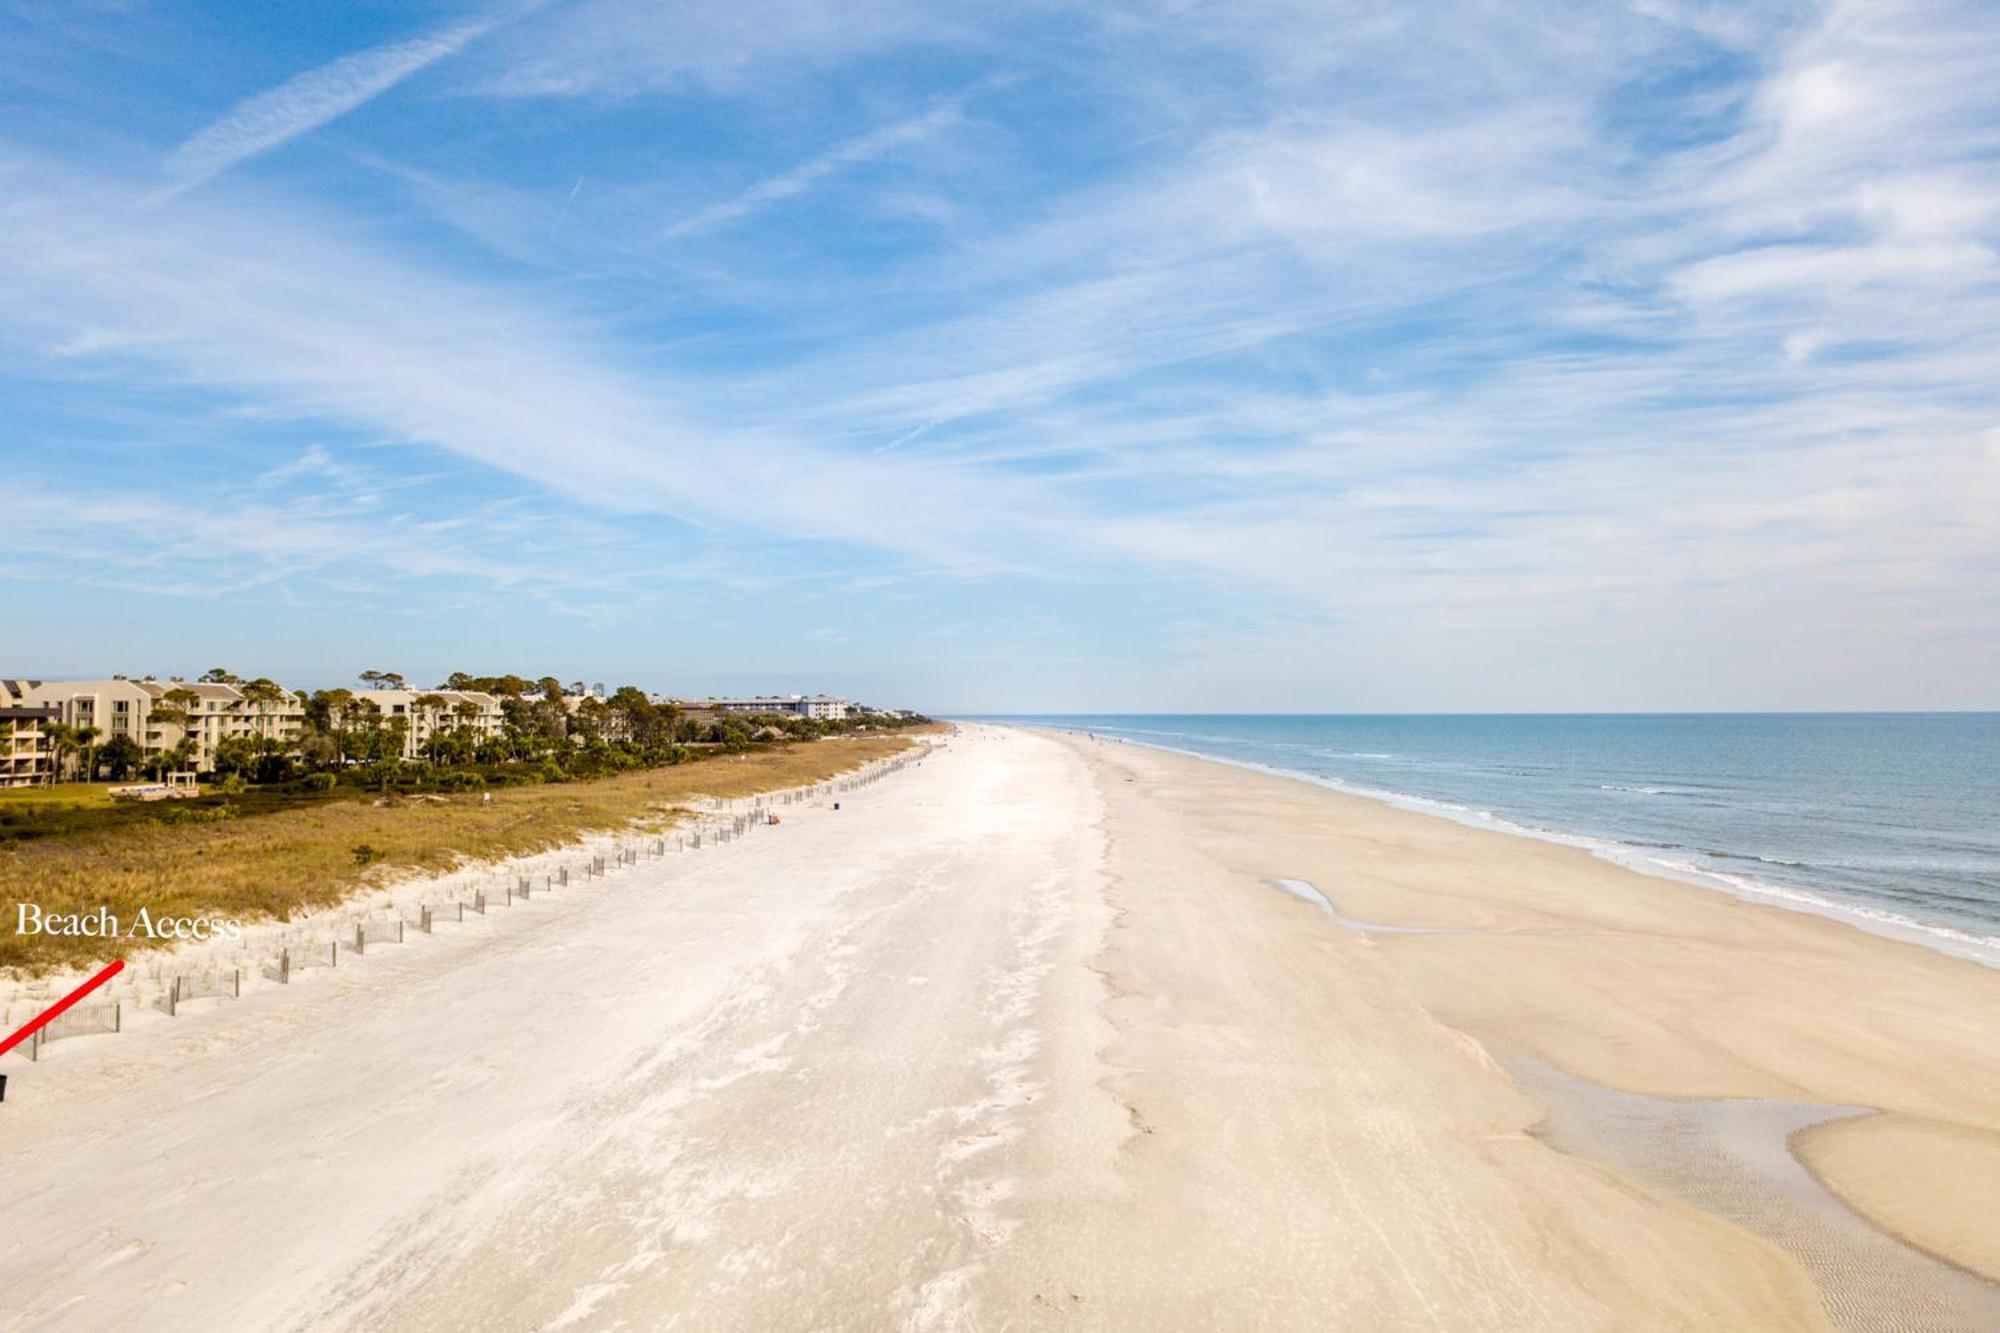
(182, 814)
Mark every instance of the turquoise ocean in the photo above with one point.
(1890, 821)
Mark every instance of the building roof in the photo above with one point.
(205, 690)
(383, 698)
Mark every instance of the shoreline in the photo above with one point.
(1646, 985)
(1946, 940)
(1033, 1035)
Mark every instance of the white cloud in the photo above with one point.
(1801, 346)
(1941, 205)
(869, 147)
(620, 47)
(294, 314)
(1818, 97)
(1400, 333)
(306, 102)
(1818, 272)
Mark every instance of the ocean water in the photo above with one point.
(1888, 820)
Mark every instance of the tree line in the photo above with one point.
(547, 732)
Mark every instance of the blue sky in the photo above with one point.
(1037, 356)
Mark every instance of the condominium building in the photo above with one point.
(141, 711)
(26, 758)
(425, 713)
(225, 712)
(793, 705)
(115, 707)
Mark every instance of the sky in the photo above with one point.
(1115, 356)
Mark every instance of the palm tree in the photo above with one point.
(86, 741)
(176, 709)
(170, 759)
(62, 740)
(121, 755)
(427, 711)
(180, 757)
(361, 725)
(468, 716)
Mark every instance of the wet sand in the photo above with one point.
(1759, 1039)
(1736, 1159)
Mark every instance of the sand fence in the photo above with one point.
(281, 953)
(208, 983)
(82, 1020)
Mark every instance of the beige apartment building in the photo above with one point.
(124, 707)
(428, 712)
(26, 757)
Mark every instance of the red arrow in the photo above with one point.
(36, 1025)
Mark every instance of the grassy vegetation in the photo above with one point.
(64, 795)
(71, 808)
(304, 856)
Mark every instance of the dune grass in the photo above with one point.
(277, 865)
(72, 808)
(90, 795)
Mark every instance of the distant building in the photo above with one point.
(26, 757)
(820, 706)
(591, 712)
(425, 713)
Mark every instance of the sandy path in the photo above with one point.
(1018, 1039)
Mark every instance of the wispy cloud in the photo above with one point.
(298, 315)
(306, 102)
(1459, 350)
(869, 147)
(620, 47)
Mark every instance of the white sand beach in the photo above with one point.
(1026, 1038)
